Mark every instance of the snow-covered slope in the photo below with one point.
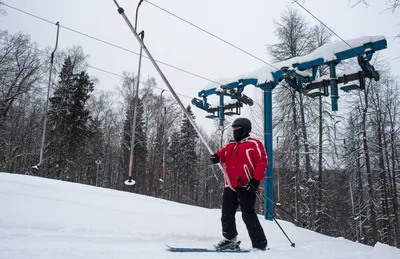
(42, 218)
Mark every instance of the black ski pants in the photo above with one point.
(247, 200)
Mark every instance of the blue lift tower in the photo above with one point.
(302, 76)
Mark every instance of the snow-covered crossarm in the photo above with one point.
(337, 51)
(301, 74)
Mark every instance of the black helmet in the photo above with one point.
(241, 128)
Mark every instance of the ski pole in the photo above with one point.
(279, 207)
(122, 13)
(243, 183)
(291, 243)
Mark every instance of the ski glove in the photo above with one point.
(214, 159)
(252, 186)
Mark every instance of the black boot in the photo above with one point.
(227, 244)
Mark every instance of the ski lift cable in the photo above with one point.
(143, 83)
(211, 34)
(111, 44)
(309, 12)
(115, 74)
(122, 13)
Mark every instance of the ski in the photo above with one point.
(205, 250)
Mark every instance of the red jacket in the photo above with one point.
(246, 159)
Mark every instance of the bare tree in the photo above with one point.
(392, 4)
(382, 103)
(221, 131)
(295, 35)
(370, 160)
(322, 36)
(105, 117)
(392, 104)
(21, 69)
(295, 38)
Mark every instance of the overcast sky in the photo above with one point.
(246, 24)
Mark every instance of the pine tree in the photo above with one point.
(93, 155)
(68, 122)
(173, 164)
(189, 142)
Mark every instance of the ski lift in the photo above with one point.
(164, 175)
(130, 181)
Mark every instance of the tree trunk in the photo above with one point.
(318, 227)
(384, 195)
(394, 184)
(369, 172)
(297, 162)
(309, 174)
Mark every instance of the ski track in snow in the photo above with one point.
(43, 218)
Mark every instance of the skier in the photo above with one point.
(245, 157)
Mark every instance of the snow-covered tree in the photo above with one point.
(68, 122)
